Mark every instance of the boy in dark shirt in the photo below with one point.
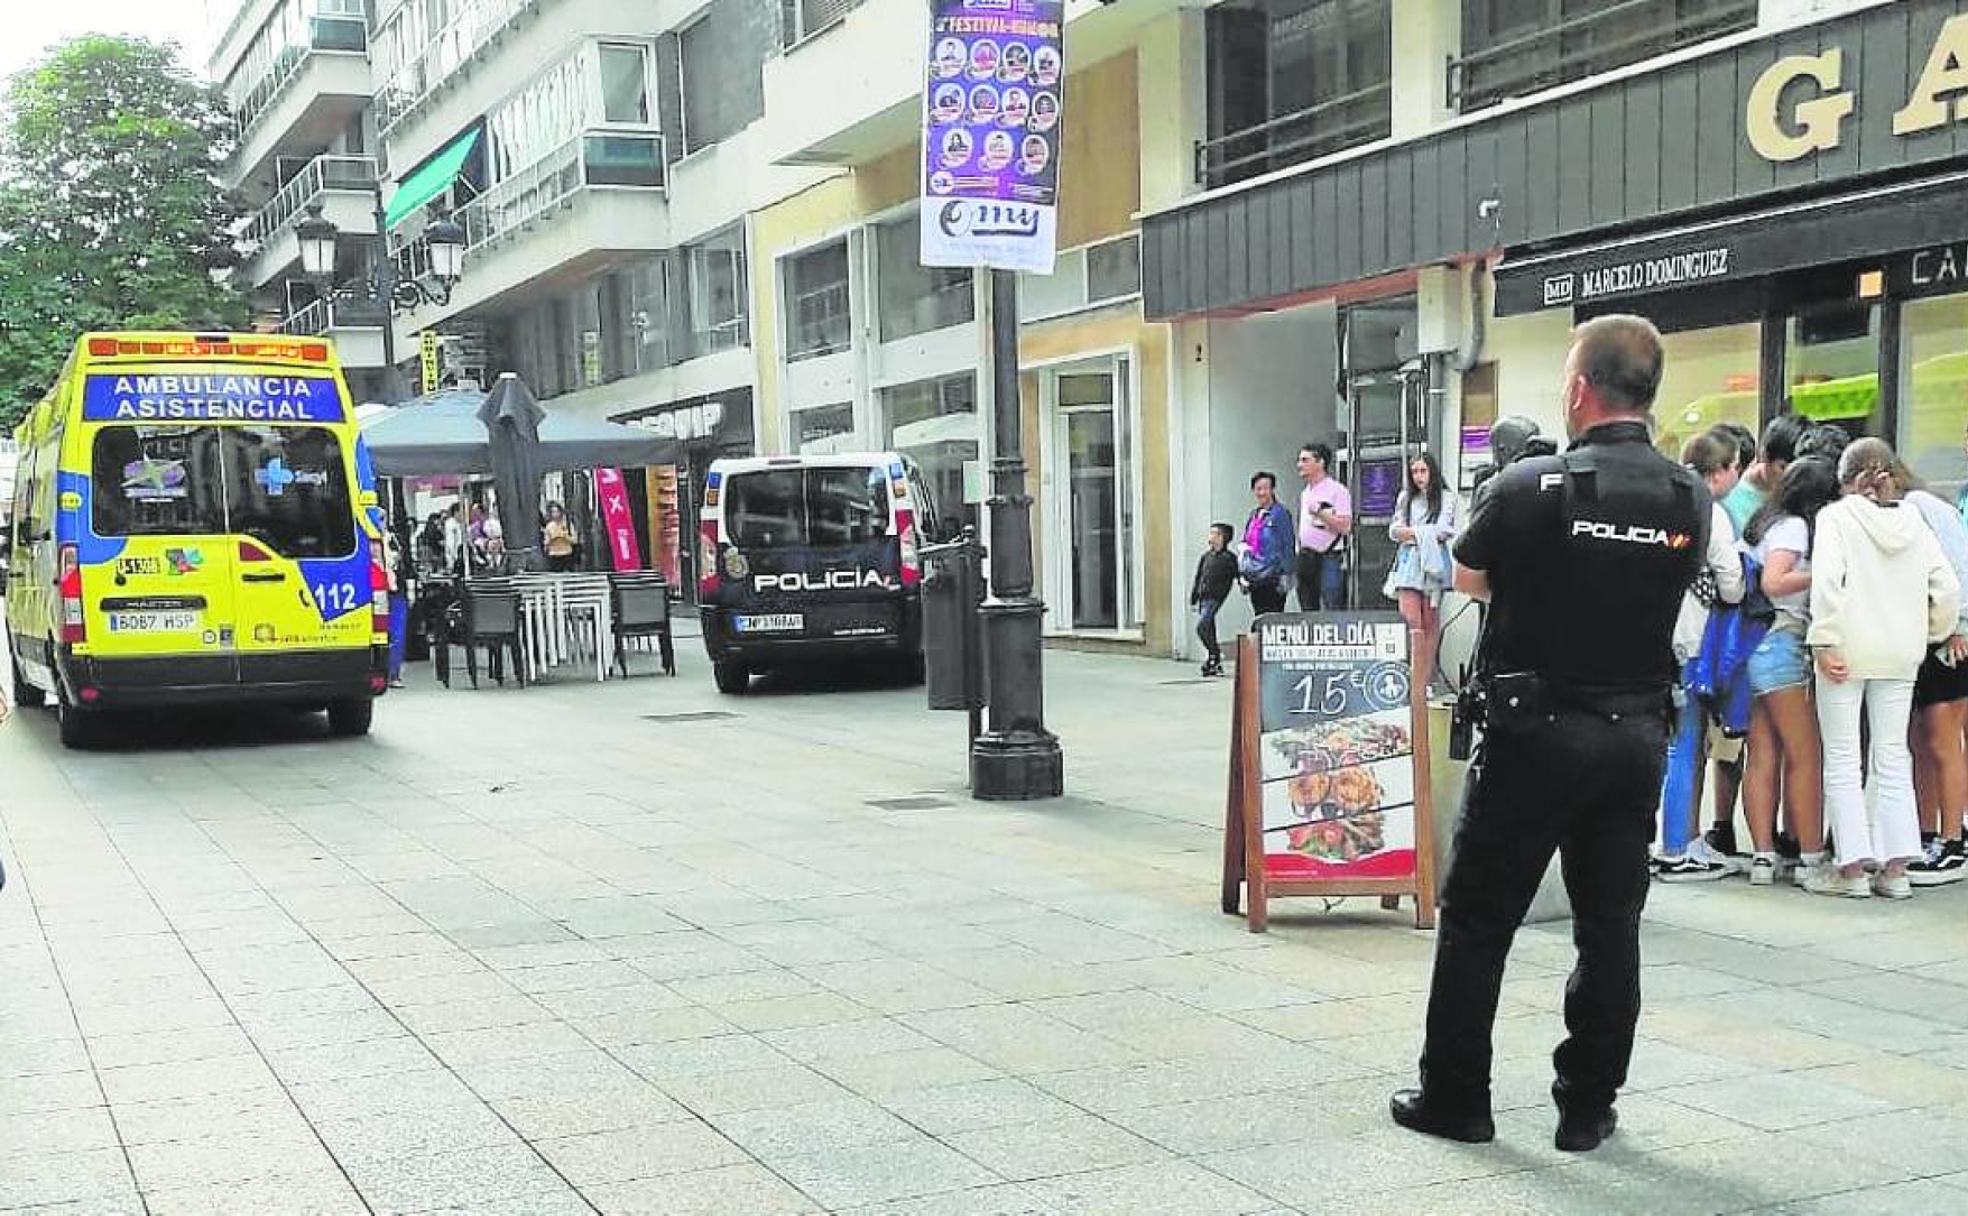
(1216, 574)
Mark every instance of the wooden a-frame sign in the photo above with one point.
(1329, 766)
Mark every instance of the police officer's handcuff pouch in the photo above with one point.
(1516, 702)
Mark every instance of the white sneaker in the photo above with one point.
(1892, 886)
(1827, 880)
(1763, 870)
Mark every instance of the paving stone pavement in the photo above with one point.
(558, 951)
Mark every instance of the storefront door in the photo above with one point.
(1386, 398)
(1088, 504)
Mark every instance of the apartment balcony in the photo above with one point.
(466, 69)
(1513, 63)
(598, 199)
(307, 98)
(867, 62)
(345, 187)
(354, 325)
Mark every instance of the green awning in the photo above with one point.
(431, 179)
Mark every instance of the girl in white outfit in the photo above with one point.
(1882, 593)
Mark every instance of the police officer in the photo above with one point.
(1583, 559)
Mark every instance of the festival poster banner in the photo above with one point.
(992, 126)
(618, 519)
(1336, 747)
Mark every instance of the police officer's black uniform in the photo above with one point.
(1588, 555)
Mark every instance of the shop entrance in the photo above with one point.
(1385, 421)
(1088, 499)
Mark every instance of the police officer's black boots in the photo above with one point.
(1583, 1131)
(1412, 1110)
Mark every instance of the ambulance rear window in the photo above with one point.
(158, 481)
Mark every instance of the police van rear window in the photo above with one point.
(817, 507)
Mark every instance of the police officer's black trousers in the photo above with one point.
(1585, 785)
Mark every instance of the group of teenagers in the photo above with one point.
(1280, 551)
(1824, 648)
(1825, 654)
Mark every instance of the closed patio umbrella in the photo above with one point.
(512, 423)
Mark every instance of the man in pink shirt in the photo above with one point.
(1325, 519)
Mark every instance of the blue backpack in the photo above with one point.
(1718, 675)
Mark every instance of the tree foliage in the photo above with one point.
(112, 215)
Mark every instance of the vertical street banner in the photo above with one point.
(618, 519)
(428, 361)
(1329, 764)
(992, 124)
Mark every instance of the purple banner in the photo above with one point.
(1380, 487)
(993, 118)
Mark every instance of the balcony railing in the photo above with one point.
(802, 19)
(1294, 138)
(326, 316)
(1606, 38)
(593, 159)
(412, 81)
(821, 322)
(323, 173)
(326, 32)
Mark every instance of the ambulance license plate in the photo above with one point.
(771, 622)
(153, 622)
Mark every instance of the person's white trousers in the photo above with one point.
(1877, 822)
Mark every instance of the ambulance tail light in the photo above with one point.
(707, 559)
(905, 522)
(74, 628)
(379, 600)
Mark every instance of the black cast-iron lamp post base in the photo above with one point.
(1020, 761)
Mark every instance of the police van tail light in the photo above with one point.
(707, 559)
(905, 523)
(74, 628)
(379, 601)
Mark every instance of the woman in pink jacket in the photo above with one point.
(1882, 593)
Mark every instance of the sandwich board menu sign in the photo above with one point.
(1328, 766)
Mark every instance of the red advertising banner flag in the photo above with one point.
(616, 517)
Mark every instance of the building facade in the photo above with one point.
(1367, 222)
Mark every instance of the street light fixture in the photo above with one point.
(317, 236)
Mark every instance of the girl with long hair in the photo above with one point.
(1883, 595)
(1427, 519)
(1785, 752)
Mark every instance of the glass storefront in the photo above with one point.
(1831, 366)
(1934, 390)
(935, 423)
(1710, 378)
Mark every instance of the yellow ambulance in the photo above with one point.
(194, 523)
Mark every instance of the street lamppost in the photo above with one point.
(387, 290)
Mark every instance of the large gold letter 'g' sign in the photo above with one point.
(1818, 121)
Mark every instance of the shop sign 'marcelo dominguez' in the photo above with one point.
(1639, 275)
(1782, 130)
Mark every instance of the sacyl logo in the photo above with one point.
(1559, 289)
(1632, 534)
(825, 580)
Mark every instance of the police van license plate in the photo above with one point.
(152, 622)
(771, 622)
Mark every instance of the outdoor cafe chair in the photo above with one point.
(587, 610)
(492, 620)
(642, 610)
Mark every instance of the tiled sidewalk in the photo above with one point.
(537, 952)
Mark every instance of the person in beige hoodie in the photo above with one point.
(1882, 593)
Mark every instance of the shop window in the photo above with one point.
(819, 321)
(935, 423)
(1934, 391)
(914, 298)
(1710, 377)
(1831, 366)
(1293, 80)
(824, 429)
(1514, 47)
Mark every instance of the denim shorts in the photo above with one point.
(1781, 660)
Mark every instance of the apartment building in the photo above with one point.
(1412, 202)
(1365, 221)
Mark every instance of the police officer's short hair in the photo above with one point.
(1620, 355)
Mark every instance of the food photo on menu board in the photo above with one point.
(1336, 747)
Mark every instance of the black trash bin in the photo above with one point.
(953, 635)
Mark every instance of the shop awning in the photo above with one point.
(430, 179)
(1883, 221)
